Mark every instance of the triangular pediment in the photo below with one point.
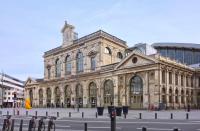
(135, 59)
(30, 81)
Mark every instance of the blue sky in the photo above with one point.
(29, 28)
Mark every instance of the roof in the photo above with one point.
(177, 45)
(97, 34)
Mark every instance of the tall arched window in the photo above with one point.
(79, 62)
(92, 93)
(79, 95)
(182, 97)
(40, 97)
(176, 96)
(57, 96)
(108, 92)
(31, 97)
(67, 98)
(108, 51)
(58, 68)
(48, 97)
(68, 65)
(170, 95)
(136, 85)
(119, 55)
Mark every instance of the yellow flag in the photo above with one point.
(28, 104)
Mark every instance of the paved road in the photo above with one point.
(102, 124)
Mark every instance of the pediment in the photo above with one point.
(135, 59)
(30, 81)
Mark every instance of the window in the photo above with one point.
(136, 85)
(79, 62)
(108, 51)
(58, 68)
(119, 55)
(49, 72)
(187, 81)
(93, 63)
(182, 96)
(191, 81)
(68, 65)
(170, 95)
(176, 79)
(170, 77)
(5, 93)
(8, 98)
(163, 76)
(181, 80)
(8, 93)
(176, 96)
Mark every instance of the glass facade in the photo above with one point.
(187, 56)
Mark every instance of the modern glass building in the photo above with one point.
(187, 53)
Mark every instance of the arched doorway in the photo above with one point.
(136, 92)
(79, 95)
(67, 98)
(57, 97)
(48, 97)
(93, 94)
(40, 98)
(31, 97)
(108, 93)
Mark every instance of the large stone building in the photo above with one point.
(100, 70)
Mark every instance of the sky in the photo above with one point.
(28, 28)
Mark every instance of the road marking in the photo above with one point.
(103, 128)
(128, 122)
(157, 129)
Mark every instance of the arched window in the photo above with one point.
(163, 95)
(163, 76)
(119, 55)
(79, 62)
(67, 98)
(57, 96)
(108, 92)
(31, 97)
(68, 65)
(48, 97)
(40, 97)
(58, 68)
(182, 96)
(79, 95)
(93, 63)
(92, 93)
(170, 95)
(136, 85)
(108, 51)
(176, 96)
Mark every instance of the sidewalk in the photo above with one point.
(91, 113)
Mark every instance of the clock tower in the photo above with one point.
(68, 34)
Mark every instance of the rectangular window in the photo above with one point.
(170, 77)
(181, 80)
(176, 79)
(187, 81)
(93, 63)
(48, 73)
(163, 76)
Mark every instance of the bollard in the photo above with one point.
(46, 113)
(140, 115)
(175, 129)
(57, 114)
(144, 129)
(26, 113)
(155, 115)
(21, 125)
(124, 115)
(187, 116)
(96, 114)
(85, 125)
(36, 114)
(7, 112)
(171, 116)
(113, 119)
(70, 114)
(82, 114)
(12, 125)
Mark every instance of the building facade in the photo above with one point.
(12, 91)
(100, 70)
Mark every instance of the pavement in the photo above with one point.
(132, 122)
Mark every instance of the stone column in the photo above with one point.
(44, 97)
(167, 87)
